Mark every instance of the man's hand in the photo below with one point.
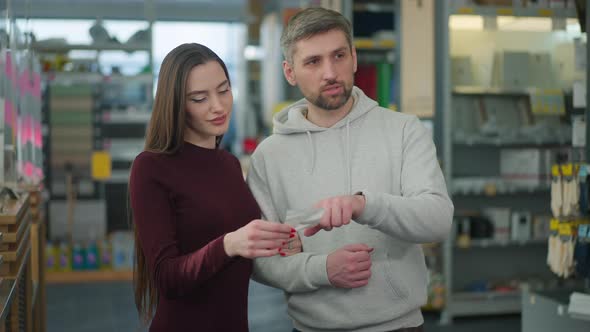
(350, 266)
(337, 212)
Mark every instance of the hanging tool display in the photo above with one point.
(569, 240)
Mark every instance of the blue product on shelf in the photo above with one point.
(92, 256)
(78, 258)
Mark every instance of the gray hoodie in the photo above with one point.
(391, 158)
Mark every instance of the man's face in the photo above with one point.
(323, 68)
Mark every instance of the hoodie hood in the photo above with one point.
(291, 120)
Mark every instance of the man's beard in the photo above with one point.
(331, 104)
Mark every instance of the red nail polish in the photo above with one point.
(284, 243)
(292, 235)
(293, 230)
(283, 254)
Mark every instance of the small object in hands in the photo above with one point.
(301, 219)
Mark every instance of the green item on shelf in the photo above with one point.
(64, 258)
(384, 73)
(51, 257)
(71, 118)
(106, 255)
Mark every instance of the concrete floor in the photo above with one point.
(99, 307)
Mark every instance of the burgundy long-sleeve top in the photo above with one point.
(183, 205)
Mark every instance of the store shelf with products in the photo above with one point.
(504, 119)
(115, 111)
(375, 40)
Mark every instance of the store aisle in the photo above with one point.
(109, 307)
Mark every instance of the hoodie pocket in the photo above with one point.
(394, 279)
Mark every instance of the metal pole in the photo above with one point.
(443, 121)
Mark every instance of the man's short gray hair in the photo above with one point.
(310, 22)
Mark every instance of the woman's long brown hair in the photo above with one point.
(165, 134)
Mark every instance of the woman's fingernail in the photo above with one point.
(284, 243)
(292, 235)
(283, 254)
(293, 230)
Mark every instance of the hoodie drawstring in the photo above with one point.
(348, 157)
(312, 152)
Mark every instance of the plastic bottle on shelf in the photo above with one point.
(65, 257)
(51, 257)
(92, 256)
(106, 255)
(78, 263)
(123, 244)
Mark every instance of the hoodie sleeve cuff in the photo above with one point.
(317, 270)
(369, 215)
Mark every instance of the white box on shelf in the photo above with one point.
(511, 70)
(500, 218)
(524, 167)
(520, 226)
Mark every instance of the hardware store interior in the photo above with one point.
(500, 86)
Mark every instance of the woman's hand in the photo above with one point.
(293, 246)
(258, 238)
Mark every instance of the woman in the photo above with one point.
(196, 226)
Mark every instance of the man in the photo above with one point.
(338, 150)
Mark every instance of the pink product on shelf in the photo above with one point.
(29, 169)
(27, 132)
(38, 135)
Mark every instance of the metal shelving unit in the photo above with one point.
(121, 109)
(459, 302)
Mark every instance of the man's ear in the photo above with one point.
(289, 74)
(354, 59)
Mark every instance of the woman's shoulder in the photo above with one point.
(149, 162)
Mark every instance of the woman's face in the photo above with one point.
(208, 103)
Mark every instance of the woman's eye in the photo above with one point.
(198, 100)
